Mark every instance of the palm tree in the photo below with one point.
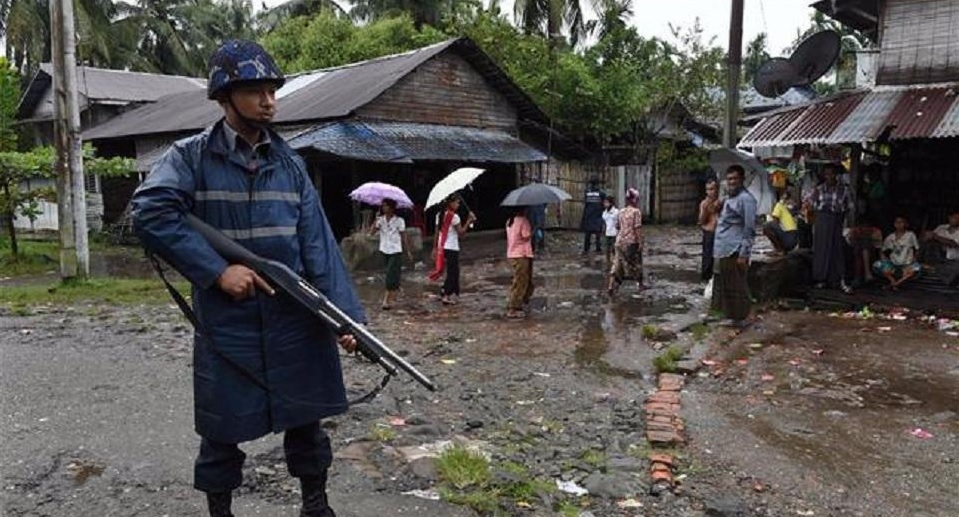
(269, 18)
(178, 36)
(613, 16)
(423, 12)
(26, 24)
(548, 18)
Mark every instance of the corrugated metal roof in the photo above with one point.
(99, 85)
(901, 112)
(919, 112)
(314, 96)
(819, 120)
(767, 132)
(950, 123)
(866, 121)
(405, 142)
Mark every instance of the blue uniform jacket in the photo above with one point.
(274, 211)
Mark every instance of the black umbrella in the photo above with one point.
(535, 194)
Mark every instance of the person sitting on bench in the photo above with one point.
(947, 237)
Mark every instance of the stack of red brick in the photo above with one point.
(664, 427)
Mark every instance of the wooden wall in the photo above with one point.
(919, 42)
(677, 196)
(445, 90)
(571, 176)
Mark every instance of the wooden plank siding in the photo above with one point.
(445, 90)
(919, 43)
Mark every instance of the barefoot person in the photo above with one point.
(899, 263)
(735, 233)
(519, 252)
(628, 258)
(261, 363)
(393, 240)
(708, 216)
(611, 221)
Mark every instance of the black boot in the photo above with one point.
(220, 503)
(315, 503)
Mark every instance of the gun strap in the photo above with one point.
(208, 337)
(201, 328)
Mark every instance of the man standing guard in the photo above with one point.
(592, 221)
(262, 364)
(830, 201)
(735, 233)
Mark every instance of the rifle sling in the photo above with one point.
(208, 337)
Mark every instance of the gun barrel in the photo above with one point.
(282, 277)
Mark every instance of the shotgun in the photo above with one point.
(283, 278)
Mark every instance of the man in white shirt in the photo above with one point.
(947, 236)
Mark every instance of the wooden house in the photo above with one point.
(408, 119)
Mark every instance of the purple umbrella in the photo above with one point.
(373, 193)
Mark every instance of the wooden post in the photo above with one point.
(71, 191)
(735, 62)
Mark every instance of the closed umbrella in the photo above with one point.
(374, 193)
(451, 184)
(535, 194)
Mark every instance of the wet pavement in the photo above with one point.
(97, 420)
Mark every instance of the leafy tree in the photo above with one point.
(270, 18)
(548, 18)
(324, 40)
(852, 40)
(757, 53)
(9, 97)
(19, 168)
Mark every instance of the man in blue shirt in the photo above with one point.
(735, 233)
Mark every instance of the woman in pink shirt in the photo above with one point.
(519, 252)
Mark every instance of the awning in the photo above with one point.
(853, 117)
(402, 142)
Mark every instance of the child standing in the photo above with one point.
(611, 221)
(393, 241)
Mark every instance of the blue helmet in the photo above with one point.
(238, 61)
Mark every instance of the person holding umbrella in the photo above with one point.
(446, 248)
(519, 253)
(393, 241)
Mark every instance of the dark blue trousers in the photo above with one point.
(219, 467)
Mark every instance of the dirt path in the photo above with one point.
(97, 404)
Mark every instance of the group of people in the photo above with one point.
(894, 259)
(617, 231)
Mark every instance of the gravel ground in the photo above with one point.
(97, 420)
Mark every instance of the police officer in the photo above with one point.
(262, 364)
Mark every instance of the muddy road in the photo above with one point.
(97, 405)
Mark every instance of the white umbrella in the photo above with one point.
(455, 181)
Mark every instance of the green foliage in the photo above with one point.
(666, 362)
(757, 53)
(111, 291)
(34, 257)
(649, 331)
(382, 433)
(463, 468)
(9, 97)
(326, 40)
(19, 169)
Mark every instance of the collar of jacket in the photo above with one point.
(216, 143)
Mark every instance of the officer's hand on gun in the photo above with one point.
(241, 282)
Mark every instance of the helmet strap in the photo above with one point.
(254, 124)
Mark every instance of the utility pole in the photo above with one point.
(71, 191)
(735, 64)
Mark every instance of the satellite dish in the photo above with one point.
(775, 77)
(811, 60)
(815, 56)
